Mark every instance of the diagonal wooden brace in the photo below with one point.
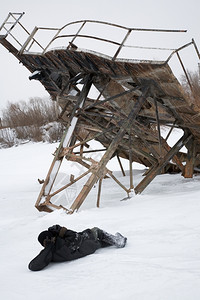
(163, 162)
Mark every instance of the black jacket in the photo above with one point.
(68, 246)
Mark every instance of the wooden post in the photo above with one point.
(99, 192)
(189, 167)
(130, 162)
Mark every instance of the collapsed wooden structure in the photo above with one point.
(135, 98)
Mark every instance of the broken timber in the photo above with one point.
(135, 98)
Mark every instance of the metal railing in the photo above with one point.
(13, 19)
(10, 22)
(31, 40)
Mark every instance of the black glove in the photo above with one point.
(49, 241)
(55, 229)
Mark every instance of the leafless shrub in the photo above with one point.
(192, 88)
(36, 111)
(52, 132)
(31, 133)
(35, 133)
(7, 138)
(34, 120)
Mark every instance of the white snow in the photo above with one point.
(36, 72)
(160, 262)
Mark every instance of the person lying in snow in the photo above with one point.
(61, 244)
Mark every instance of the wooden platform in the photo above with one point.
(133, 100)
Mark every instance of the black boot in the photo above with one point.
(117, 240)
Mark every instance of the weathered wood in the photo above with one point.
(89, 151)
(121, 166)
(175, 158)
(110, 98)
(170, 131)
(98, 172)
(69, 184)
(84, 192)
(57, 160)
(190, 160)
(158, 127)
(118, 182)
(163, 162)
(142, 134)
(130, 163)
(99, 192)
(133, 97)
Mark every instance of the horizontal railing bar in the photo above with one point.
(98, 38)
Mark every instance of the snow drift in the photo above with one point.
(162, 256)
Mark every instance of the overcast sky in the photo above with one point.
(171, 14)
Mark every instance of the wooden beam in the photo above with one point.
(69, 184)
(158, 127)
(140, 130)
(118, 182)
(175, 158)
(131, 162)
(190, 160)
(163, 162)
(100, 169)
(170, 131)
(110, 98)
(99, 192)
(120, 164)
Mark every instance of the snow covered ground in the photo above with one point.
(162, 257)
